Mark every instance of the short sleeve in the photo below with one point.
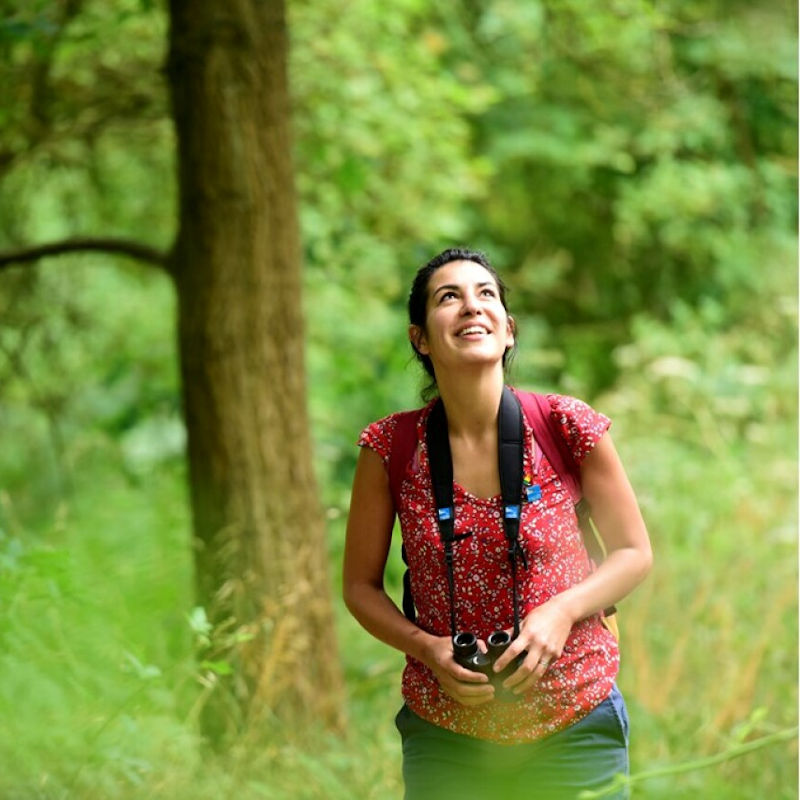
(581, 426)
(377, 436)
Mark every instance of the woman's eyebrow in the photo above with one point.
(450, 286)
(455, 287)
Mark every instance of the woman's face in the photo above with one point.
(466, 323)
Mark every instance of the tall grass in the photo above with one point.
(97, 682)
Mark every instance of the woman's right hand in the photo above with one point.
(464, 686)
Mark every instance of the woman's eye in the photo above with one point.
(489, 292)
(446, 296)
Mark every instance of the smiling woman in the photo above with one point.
(488, 564)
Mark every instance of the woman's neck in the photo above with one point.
(471, 400)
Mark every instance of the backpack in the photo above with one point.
(546, 433)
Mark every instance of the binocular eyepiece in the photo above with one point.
(467, 653)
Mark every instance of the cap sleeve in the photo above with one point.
(377, 436)
(581, 426)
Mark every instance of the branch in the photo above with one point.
(124, 247)
(785, 735)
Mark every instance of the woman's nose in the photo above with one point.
(470, 304)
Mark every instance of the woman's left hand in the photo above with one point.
(542, 634)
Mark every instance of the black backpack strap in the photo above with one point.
(408, 597)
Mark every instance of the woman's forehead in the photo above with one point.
(460, 273)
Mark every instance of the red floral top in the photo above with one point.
(584, 674)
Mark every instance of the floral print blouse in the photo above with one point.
(556, 559)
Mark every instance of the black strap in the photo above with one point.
(408, 597)
(441, 464)
(510, 450)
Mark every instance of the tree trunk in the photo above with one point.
(260, 551)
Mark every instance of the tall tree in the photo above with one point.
(261, 555)
(259, 544)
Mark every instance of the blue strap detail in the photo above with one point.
(445, 513)
(511, 512)
(533, 493)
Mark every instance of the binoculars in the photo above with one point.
(467, 653)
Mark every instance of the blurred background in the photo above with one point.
(630, 168)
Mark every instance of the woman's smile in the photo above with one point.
(473, 332)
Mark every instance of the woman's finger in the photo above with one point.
(469, 694)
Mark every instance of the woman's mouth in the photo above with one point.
(473, 330)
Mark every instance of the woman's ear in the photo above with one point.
(417, 338)
(511, 331)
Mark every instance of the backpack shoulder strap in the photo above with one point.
(548, 436)
(404, 443)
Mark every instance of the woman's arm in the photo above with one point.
(619, 521)
(369, 533)
(629, 558)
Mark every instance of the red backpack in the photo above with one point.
(546, 433)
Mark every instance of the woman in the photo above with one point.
(566, 729)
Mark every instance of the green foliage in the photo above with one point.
(649, 151)
(629, 166)
(112, 324)
(707, 427)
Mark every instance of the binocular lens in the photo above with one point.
(497, 643)
(499, 639)
(465, 644)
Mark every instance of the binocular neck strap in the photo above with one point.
(510, 451)
(510, 454)
(441, 466)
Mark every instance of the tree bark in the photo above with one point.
(260, 551)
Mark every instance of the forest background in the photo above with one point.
(631, 170)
